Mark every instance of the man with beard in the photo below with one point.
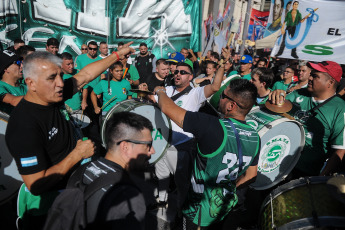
(323, 122)
(303, 77)
(145, 63)
(120, 205)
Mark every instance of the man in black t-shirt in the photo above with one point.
(39, 135)
(159, 77)
(145, 63)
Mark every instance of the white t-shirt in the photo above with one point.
(190, 102)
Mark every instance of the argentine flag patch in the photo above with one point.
(29, 161)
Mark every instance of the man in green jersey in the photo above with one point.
(262, 78)
(227, 153)
(324, 126)
(11, 72)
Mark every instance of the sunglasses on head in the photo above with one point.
(182, 72)
(93, 48)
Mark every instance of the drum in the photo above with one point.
(10, 179)
(306, 203)
(214, 100)
(81, 120)
(161, 124)
(282, 141)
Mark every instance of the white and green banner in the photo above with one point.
(314, 31)
(165, 25)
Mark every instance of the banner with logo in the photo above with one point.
(257, 24)
(165, 26)
(317, 35)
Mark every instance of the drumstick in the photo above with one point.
(82, 116)
(287, 116)
(108, 102)
(124, 74)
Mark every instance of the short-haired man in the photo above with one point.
(214, 57)
(323, 125)
(129, 147)
(221, 164)
(176, 160)
(245, 68)
(11, 72)
(158, 78)
(262, 63)
(67, 67)
(24, 51)
(16, 44)
(83, 49)
(303, 78)
(103, 49)
(145, 62)
(39, 135)
(262, 78)
(52, 46)
(185, 53)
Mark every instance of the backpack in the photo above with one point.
(69, 208)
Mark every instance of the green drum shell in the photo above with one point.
(10, 179)
(294, 204)
(275, 131)
(152, 112)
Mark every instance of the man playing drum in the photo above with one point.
(176, 160)
(324, 125)
(227, 152)
(39, 135)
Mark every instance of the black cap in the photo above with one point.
(6, 59)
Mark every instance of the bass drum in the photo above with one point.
(161, 124)
(282, 141)
(306, 203)
(10, 179)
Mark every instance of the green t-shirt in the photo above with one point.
(246, 76)
(280, 85)
(9, 89)
(83, 60)
(323, 132)
(216, 196)
(119, 89)
(75, 102)
(288, 19)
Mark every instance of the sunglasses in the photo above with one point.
(92, 48)
(83, 48)
(182, 72)
(148, 143)
(18, 62)
(222, 96)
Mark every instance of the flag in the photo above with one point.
(226, 13)
(220, 18)
(219, 39)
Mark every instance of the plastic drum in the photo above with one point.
(81, 120)
(282, 141)
(306, 203)
(10, 179)
(161, 124)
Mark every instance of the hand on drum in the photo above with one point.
(277, 96)
(85, 149)
(143, 86)
(97, 110)
(125, 50)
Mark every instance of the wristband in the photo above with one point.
(117, 55)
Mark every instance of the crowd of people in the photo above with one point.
(211, 159)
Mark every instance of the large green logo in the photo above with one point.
(273, 152)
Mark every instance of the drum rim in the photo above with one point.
(109, 113)
(302, 223)
(298, 154)
(4, 115)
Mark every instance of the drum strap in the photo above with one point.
(183, 92)
(239, 147)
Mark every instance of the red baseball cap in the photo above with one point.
(330, 67)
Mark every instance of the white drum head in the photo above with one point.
(81, 120)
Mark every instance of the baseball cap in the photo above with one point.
(6, 59)
(330, 67)
(246, 59)
(176, 57)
